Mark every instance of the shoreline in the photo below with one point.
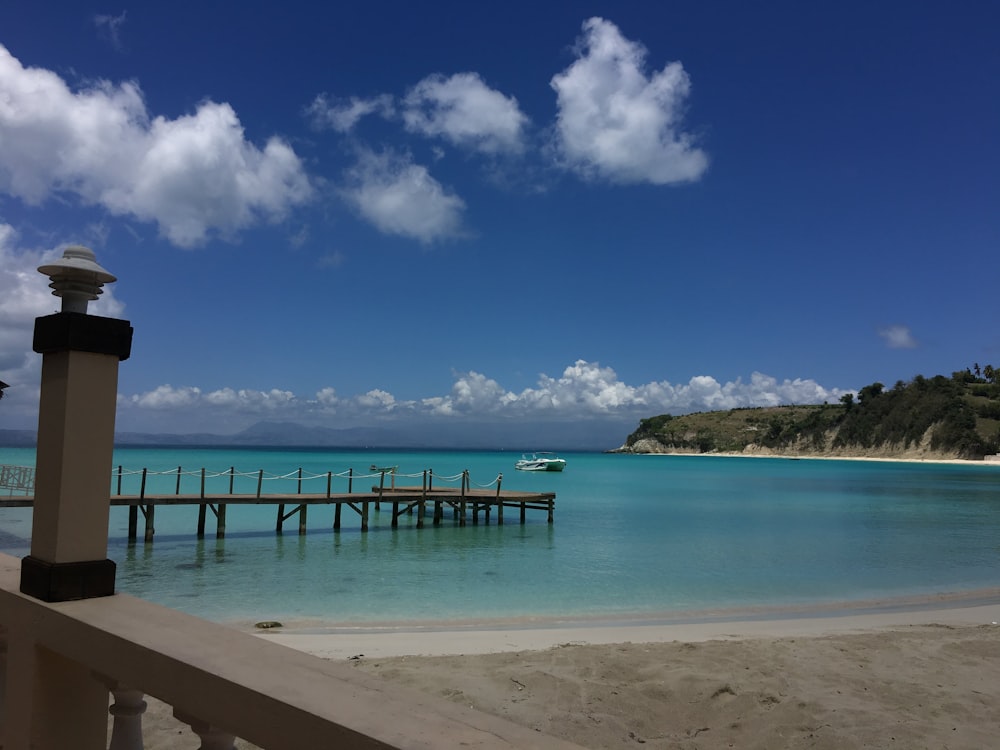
(347, 641)
(992, 461)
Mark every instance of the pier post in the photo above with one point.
(147, 510)
(302, 508)
(499, 502)
(133, 512)
(201, 508)
(465, 484)
(422, 503)
(220, 514)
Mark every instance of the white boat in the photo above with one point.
(540, 462)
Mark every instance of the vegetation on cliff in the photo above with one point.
(956, 417)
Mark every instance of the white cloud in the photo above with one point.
(378, 399)
(585, 390)
(400, 197)
(327, 397)
(167, 397)
(342, 115)
(249, 400)
(616, 123)
(110, 26)
(465, 111)
(898, 337)
(193, 176)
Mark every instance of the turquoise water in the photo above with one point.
(633, 536)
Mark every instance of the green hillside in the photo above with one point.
(939, 417)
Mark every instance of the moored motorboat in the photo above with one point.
(540, 462)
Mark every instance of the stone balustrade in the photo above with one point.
(222, 682)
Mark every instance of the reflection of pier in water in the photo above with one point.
(464, 501)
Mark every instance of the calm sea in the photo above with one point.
(634, 536)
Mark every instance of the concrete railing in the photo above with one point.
(222, 682)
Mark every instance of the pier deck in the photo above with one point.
(465, 504)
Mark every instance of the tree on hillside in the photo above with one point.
(870, 391)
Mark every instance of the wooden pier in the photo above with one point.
(463, 503)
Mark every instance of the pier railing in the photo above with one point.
(142, 491)
(221, 682)
(18, 480)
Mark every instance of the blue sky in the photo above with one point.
(541, 215)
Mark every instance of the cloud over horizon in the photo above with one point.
(584, 391)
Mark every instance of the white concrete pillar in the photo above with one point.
(55, 702)
(76, 429)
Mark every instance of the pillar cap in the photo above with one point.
(76, 277)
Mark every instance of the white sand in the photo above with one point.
(909, 674)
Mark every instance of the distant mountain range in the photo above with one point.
(502, 436)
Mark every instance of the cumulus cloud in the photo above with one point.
(327, 397)
(898, 337)
(193, 176)
(378, 399)
(342, 115)
(167, 397)
(589, 389)
(401, 198)
(250, 400)
(585, 391)
(462, 109)
(616, 122)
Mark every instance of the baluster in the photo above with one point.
(127, 709)
(212, 738)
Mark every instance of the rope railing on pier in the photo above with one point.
(212, 492)
(297, 475)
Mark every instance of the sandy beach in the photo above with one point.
(911, 675)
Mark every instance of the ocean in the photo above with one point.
(634, 538)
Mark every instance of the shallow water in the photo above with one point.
(633, 536)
